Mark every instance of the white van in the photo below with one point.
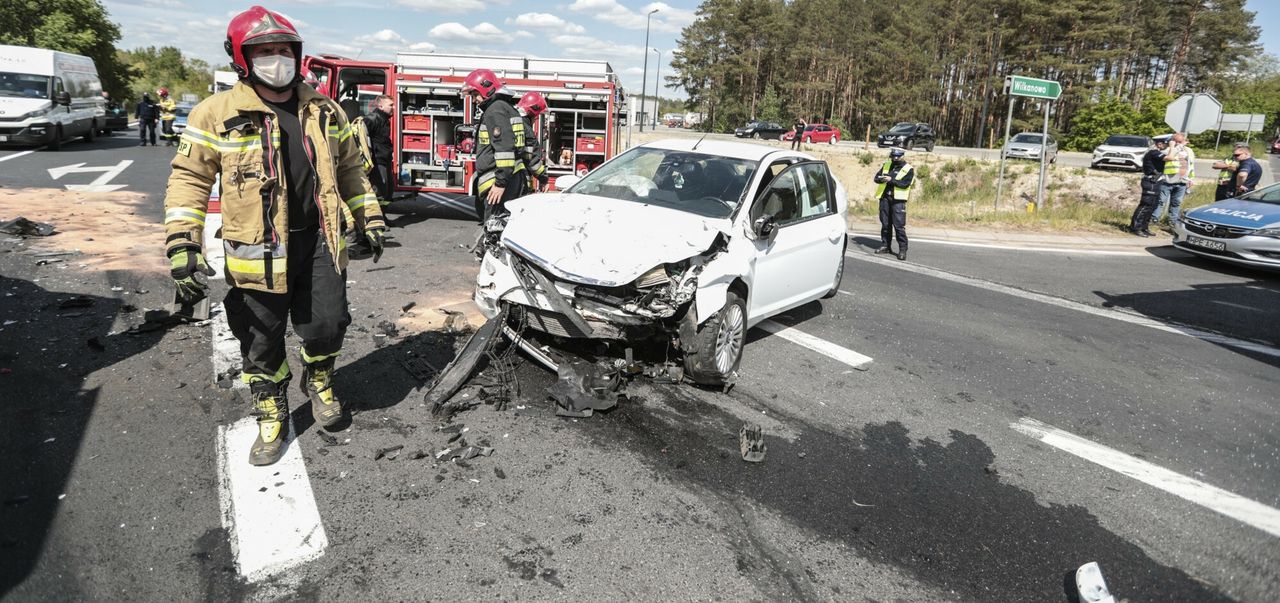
(47, 97)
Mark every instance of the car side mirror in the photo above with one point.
(564, 182)
(62, 98)
(765, 226)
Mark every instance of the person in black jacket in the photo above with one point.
(798, 131)
(1152, 171)
(147, 113)
(500, 173)
(378, 123)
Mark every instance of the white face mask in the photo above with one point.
(275, 70)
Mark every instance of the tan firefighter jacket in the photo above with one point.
(224, 136)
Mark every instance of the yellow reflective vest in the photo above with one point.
(224, 137)
(168, 109)
(900, 193)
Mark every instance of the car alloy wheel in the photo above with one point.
(729, 338)
(755, 135)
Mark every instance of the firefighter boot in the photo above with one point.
(271, 406)
(317, 383)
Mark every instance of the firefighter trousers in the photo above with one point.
(316, 301)
(517, 186)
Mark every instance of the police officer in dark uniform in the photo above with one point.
(1152, 171)
(500, 174)
(895, 178)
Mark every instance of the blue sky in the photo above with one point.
(1268, 18)
(608, 30)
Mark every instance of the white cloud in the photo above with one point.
(381, 37)
(422, 47)
(667, 19)
(547, 22)
(589, 47)
(457, 32)
(441, 6)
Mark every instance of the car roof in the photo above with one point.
(725, 148)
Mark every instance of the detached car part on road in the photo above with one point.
(676, 245)
(1244, 230)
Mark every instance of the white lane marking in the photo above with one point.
(19, 154)
(1017, 247)
(269, 512)
(226, 348)
(99, 184)
(821, 346)
(1240, 344)
(1210, 497)
(1240, 306)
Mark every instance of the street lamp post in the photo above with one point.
(657, 77)
(644, 78)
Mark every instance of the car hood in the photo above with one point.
(1106, 148)
(15, 106)
(601, 241)
(1238, 212)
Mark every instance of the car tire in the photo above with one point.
(907, 146)
(93, 130)
(833, 140)
(929, 147)
(755, 135)
(807, 140)
(835, 289)
(56, 143)
(1054, 159)
(716, 348)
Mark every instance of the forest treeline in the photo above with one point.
(856, 63)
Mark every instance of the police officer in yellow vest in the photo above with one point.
(895, 178)
(292, 182)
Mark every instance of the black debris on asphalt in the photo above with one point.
(390, 452)
(583, 388)
(26, 228)
(751, 443)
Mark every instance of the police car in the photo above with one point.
(1244, 230)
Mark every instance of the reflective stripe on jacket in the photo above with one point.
(224, 137)
(499, 139)
(900, 193)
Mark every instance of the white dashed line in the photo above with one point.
(19, 154)
(1216, 499)
(1019, 248)
(1151, 323)
(1237, 306)
(269, 512)
(821, 346)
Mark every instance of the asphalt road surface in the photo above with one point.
(1025, 412)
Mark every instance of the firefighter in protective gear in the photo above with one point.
(168, 113)
(291, 184)
(531, 106)
(895, 178)
(500, 138)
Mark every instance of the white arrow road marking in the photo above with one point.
(99, 184)
(269, 512)
(1210, 497)
(821, 346)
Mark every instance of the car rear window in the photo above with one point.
(1127, 141)
(1027, 138)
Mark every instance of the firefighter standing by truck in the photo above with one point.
(168, 113)
(532, 105)
(289, 167)
(500, 138)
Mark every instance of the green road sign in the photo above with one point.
(1029, 86)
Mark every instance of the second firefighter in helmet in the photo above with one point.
(292, 182)
(531, 106)
(500, 140)
(168, 113)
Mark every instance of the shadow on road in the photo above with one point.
(59, 339)
(938, 511)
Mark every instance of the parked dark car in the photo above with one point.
(116, 119)
(761, 129)
(908, 135)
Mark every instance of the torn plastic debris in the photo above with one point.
(1090, 586)
(751, 443)
(464, 453)
(390, 452)
(26, 228)
(457, 372)
(583, 388)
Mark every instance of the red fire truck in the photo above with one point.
(432, 132)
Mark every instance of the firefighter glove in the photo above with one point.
(374, 236)
(184, 266)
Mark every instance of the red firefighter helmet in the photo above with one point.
(259, 26)
(532, 104)
(162, 91)
(483, 82)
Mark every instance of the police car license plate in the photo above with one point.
(1207, 244)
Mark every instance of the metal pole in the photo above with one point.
(991, 71)
(1219, 141)
(1248, 132)
(1044, 156)
(1000, 180)
(631, 118)
(657, 77)
(644, 78)
(1186, 117)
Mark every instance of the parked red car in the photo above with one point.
(816, 133)
(1274, 147)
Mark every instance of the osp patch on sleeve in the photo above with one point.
(497, 132)
(184, 148)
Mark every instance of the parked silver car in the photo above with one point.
(1026, 145)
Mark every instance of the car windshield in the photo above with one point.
(1027, 138)
(707, 185)
(24, 85)
(182, 111)
(1270, 194)
(1126, 141)
(903, 129)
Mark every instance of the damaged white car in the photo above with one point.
(669, 253)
